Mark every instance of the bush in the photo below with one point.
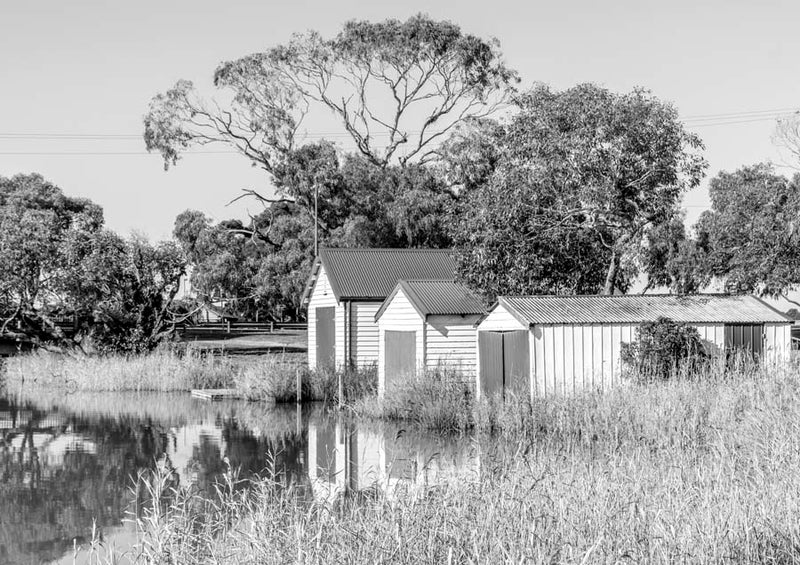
(663, 349)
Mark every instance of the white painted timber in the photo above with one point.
(450, 344)
(364, 333)
(399, 315)
(322, 297)
(501, 319)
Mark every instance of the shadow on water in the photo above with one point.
(66, 461)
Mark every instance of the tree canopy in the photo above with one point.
(751, 234)
(581, 177)
(395, 86)
(57, 261)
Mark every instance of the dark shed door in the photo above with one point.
(400, 356)
(516, 362)
(747, 338)
(490, 348)
(326, 337)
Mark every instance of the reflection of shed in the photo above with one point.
(541, 345)
(426, 324)
(345, 290)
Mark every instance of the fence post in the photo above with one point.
(272, 327)
(341, 389)
(228, 326)
(299, 385)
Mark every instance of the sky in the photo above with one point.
(72, 70)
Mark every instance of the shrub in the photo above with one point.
(663, 349)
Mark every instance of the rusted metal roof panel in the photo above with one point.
(373, 273)
(443, 297)
(699, 308)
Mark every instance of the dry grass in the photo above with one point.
(161, 371)
(676, 472)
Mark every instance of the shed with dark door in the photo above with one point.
(563, 344)
(345, 290)
(427, 325)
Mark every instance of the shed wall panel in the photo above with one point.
(501, 319)
(364, 334)
(322, 296)
(777, 343)
(451, 344)
(400, 315)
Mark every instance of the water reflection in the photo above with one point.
(66, 461)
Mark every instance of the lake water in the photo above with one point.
(68, 460)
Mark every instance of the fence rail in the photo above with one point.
(242, 328)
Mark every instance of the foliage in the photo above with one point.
(673, 260)
(37, 221)
(751, 234)
(264, 266)
(663, 349)
(396, 87)
(581, 177)
(57, 262)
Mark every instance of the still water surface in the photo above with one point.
(67, 460)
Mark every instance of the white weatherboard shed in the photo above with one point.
(545, 345)
(427, 324)
(345, 290)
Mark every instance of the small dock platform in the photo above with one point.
(214, 394)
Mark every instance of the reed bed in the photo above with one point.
(161, 371)
(275, 379)
(674, 472)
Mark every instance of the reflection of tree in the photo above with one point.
(47, 501)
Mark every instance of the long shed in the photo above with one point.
(427, 324)
(345, 290)
(545, 345)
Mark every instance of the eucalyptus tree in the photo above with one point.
(582, 176)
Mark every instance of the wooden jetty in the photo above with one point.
(216, 394)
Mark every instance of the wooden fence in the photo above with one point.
(208, 329)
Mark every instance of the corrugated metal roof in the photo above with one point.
(443, 297)
(699, 308)
(373, 273)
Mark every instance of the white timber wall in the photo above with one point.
(364, 333)
(400, 315)
(450, 344)
(322, 297)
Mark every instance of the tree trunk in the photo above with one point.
(611, 275)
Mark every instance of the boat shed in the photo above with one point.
(345, 290)
(544, 345)
(427, 324)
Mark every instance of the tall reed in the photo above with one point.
(678, 472)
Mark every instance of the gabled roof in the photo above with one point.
(371, 274)
(696, 308)
(436, 297)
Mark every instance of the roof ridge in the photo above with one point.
(659, 295)
(389, 249)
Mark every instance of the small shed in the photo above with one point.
(544, 345)
(345, 290)
(427, 324)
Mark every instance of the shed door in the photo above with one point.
(516, 362)
(400, 356)
(747, 338)
(326, 337)
(490, 347)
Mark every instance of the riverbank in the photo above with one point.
(271, 377)
(690, 471)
